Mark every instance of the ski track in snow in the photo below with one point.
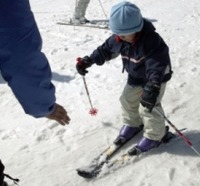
(41, 152)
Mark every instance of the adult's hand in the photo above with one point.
(60, 115)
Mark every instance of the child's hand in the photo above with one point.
(149, 95)
(82, 64)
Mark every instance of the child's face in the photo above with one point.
(128, 38)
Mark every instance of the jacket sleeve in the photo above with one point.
(157, 57)
(27, 71)
(110, 49)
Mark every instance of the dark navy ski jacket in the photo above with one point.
(22, 64)
(145, 60)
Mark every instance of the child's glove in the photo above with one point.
(82, 64)
(150, 94)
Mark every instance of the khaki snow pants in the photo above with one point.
(134, 114)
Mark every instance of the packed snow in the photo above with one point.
(41, 152)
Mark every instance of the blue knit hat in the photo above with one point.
(125, 19)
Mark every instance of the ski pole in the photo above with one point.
(103, 9)
(189, 143)
(93, 111)
(76, 4)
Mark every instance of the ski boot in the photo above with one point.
(143, 145)
(146, 144)
(126, 133)
(79, 21)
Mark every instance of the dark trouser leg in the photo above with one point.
(1, 173)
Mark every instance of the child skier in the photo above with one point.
(145, 57)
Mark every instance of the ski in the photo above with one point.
(134, 151)
(93, 169)
(88, 25)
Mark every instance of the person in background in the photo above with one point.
(80, 11)
(145, 57)
(24, 67)
(2, 183)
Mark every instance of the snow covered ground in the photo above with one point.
(43, 153)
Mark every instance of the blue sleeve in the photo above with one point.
(157, 57)
(24, 66)
(107, 51)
